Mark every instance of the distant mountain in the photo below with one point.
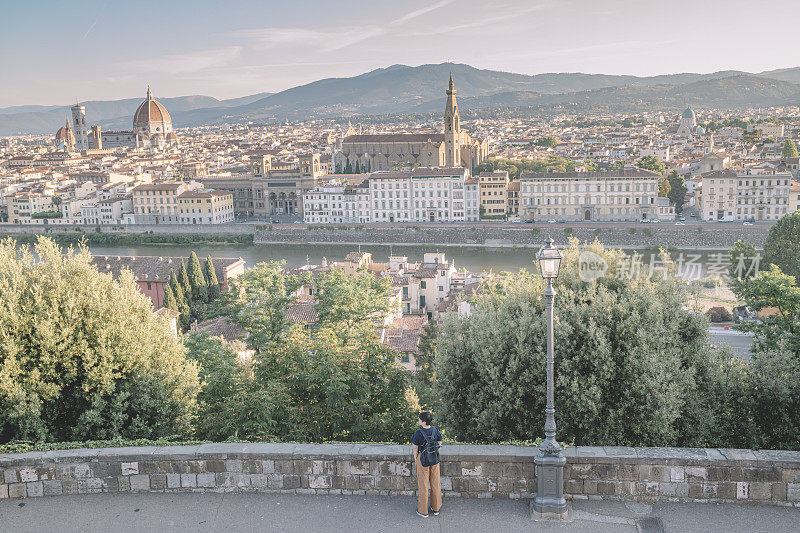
(108, 114)
(405, 89)
(727, 93)
(784, 74)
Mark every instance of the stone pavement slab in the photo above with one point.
(231, 513)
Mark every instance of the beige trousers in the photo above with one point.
(428, 480)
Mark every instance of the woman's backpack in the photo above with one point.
(429, 454)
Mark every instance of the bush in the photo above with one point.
(630, 363)
(719, 314)
(83, 356)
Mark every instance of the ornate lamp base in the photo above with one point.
(549, 501)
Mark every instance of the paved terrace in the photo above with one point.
(201, 512)
(371, 487)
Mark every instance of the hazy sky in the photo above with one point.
(52, 52)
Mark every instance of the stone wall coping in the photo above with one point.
(449, 452)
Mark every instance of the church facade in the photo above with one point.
(453, 148)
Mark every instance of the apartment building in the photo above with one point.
(157, 203)
(513, 199)
(628, 194)
(27, 207)
(201, 206)
(794, 196)
(419, 195)
(472, 199)
(728, 195)
(337, 202)
(494, 193)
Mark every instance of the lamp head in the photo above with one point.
(549, 260)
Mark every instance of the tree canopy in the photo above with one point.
(789, 149)
(629, 360)
(782, 246)
(83, 356)
(651, 162)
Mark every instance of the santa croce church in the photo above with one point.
(453, 148)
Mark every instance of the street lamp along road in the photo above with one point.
(549, 501)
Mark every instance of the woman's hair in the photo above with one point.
(426, 417)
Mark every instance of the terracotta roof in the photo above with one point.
(435, 138)
(221, 327)
(158, 113)
(403, 333)
(302, 311)
(623, 173)
(147, 268)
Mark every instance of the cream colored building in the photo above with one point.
(794, 196)
(621, 195)
(419, 195)
(728, 195)
(337, 203)
(397, 151)
(157, 203)
(205, 207)
(22, 206)
(494, 193)
(271, 188)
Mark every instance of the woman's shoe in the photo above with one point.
(422, 515)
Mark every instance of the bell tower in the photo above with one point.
(452, 128)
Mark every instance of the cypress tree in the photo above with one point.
(177, 290)
(358, 167)
(348, 168)
(196, 279)
(169, 299)
(211, 279)
(183, 279)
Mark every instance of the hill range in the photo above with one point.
(401, 89)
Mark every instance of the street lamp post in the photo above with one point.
(549, 501)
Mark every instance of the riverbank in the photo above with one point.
(499, 236)
(626, 236)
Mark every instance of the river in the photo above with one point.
(474, 259)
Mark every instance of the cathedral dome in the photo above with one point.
(688, 113)
(700, 130)
(150, 112)
(64, 134)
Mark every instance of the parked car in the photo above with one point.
(692, 215)
(655, 221)
(551, 221)
(747, 224)
(562, 221)
(679, 223)
(275, 221)
(529, 221)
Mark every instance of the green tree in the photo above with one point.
(83, 356)
(677, 190)
(546, 142)
(180, 300)
(778, 292)
(231, 403)
(197, 280)
(782, 247)
(169, 299)
(348, 168)
(663, 188)
(651, 162)
(258, 302)
(789, 149)
(352, 392)
(348, 303)
(630, 362)
(744, 264)
(183, 280)
(210, 274)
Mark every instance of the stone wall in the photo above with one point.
(717, 236)
(638, 474)
(705, 237)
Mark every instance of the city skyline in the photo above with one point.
(236, 50)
